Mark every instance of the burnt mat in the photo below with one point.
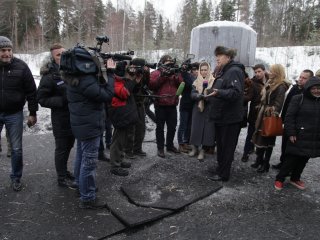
(130, 214)
(42, 210)
(165, 186)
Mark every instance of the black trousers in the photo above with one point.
(227, 139)
(293, 164)
(165, 115)
(284, 141)
(61, 154)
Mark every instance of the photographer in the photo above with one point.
(87, 93)
(135, 137)
(123, 113)
(164, 82)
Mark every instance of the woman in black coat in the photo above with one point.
(301, 124)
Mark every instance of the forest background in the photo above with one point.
(33, 25)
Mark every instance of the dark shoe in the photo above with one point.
(69, 176)
(140, 153)
(255, 165)
(126, 165)
(78, 191)
(216, 177)
(16, 185)
(102, 157)
(263, 168)
(119, 171)
(93, 204)
(0, 148)
(64, 183)
(173, 150)
(161, 153)
(183, 149)
(74, 186)
(245, 158)
(129, 155)
(277, 166)
(8, 154)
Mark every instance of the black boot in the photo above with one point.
(265, 165)
(259, 159)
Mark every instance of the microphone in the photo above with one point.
(204, 85)
(180, 89)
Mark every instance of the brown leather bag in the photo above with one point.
(272, 126)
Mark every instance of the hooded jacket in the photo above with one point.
(16, 87)
(227, 106)
(52, 93)
(303, 120)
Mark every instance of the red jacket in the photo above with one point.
(121, 93)
(165, 85)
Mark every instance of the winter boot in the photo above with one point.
(259, 159)
(194, 151)
(265, 165)
(201, 155)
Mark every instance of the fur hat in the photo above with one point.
(138, 62)
(230, 52)
(5, 42)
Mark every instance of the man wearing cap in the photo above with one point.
(16, 87)
(165, 82)
(226, 100)
(258, 81)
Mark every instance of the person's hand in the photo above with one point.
(293, 139)
(32, 120)
(269, 111)
(110, 64)
(213, 92)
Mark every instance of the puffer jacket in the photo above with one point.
(303, 120)
(165, 85)
(86, 101)
(227, 107)
(16, 87)
(52, 93)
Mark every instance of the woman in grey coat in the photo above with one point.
(202, 127)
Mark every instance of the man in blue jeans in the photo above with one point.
(16, 87)
(87, 94)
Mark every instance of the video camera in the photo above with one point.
(172, 68)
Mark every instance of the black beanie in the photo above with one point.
(5, 42)
(140, 62)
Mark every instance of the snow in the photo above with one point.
(225, 24)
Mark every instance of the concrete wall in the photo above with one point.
(206, 37)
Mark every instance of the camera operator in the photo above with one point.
(87, 94)
(164, 81)
(123, 112)
(135, 137)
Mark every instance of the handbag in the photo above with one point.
(272, 126)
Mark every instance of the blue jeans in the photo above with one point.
(184, 129)
(14, 127)
(85, 167)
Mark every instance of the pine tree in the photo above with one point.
(159, 32)
(51, 21)
(204, 13)
(261, 16)
(227, 10)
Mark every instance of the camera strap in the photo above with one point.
(100, 63)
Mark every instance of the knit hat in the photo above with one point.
(5, 42)
(220, 50)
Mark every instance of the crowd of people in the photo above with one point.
(213, 108)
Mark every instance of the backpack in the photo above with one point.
(78, 61)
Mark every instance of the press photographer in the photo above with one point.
(124, 114)
(164, 81)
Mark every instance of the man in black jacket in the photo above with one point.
(226, 109)
(16, 86)
(52, 94)
(295, 90)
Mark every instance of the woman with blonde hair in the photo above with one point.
(202, 128)
(272, 99)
